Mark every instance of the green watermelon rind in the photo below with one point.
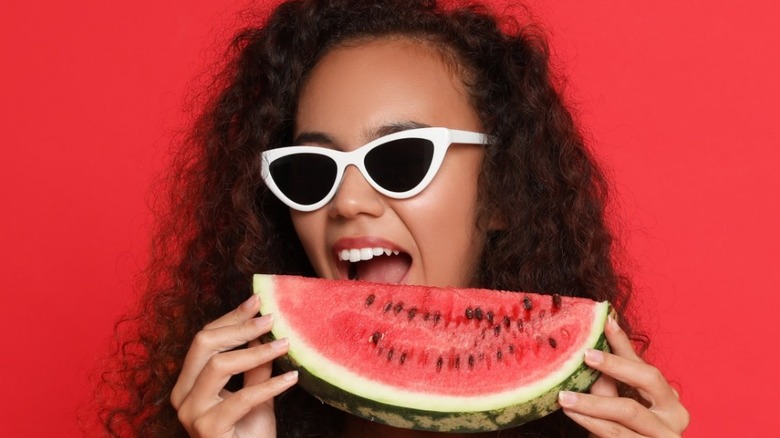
(453, 422)
(342, 389)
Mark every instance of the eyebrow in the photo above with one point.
(323, 139)
(392, 128)
(313, 137)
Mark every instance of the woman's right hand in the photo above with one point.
(204, 406)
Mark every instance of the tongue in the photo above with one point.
(384, 269)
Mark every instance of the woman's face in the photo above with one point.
(356, 94)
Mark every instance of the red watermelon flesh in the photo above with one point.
(431, 349)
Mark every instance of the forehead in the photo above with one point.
(364, 85)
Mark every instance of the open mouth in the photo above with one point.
(379, 265)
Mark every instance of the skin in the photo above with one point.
(355, 94)
(352, 96)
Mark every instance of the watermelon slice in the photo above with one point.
(418, 357)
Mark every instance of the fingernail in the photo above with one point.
(594, 356)
(279, 344)
(612, 321)
(290, 376)
(264, 320)
(250, 303)
(567, 398)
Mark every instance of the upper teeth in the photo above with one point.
(362, 254)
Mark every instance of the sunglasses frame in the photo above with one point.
(441, 138)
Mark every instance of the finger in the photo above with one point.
(619, 341)
(613, 413)
(258, 374)
(207, 343)
(247, 310)
(220, 368)
(600, 427)
(605, 386)
(646, 378)
(239, 405)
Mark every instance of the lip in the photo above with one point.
(342, 267)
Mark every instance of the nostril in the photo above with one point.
(355, 196)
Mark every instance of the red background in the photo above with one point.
(680, 99)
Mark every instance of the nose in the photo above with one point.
(355, 196)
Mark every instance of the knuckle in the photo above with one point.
(684, 418)
(175, 399)
(184, 415)
(657, 377)
(631, 409)
(615, 431)
(202, 425)
(249, 330)
(652, 377)
(202, 340)
(218, 365)
(243, 398)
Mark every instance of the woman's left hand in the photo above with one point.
(605, 414)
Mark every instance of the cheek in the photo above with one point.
(443, 222)
(451, 216)
(310, 228)
(453, 193)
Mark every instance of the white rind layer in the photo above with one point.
(337, 375)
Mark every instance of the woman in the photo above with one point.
(523, 211)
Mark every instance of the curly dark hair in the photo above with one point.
(220, 223)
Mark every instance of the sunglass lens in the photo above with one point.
(304, 178)
(400, 165)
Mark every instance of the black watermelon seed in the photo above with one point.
(399, 307)
(490, 316)
(471, 361)
(507, 322)
(427, 316)
(527, 305)
(402, 359)
(499, 354)
(556, 299)
(457, 362)
(552, 342)
(478, 314)
(370, 300)
(412, 312)
(388, 306)
(497, 330)
(436, 318)
(511, 348)
(469, 313)
(439, 363)
(376, 337)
